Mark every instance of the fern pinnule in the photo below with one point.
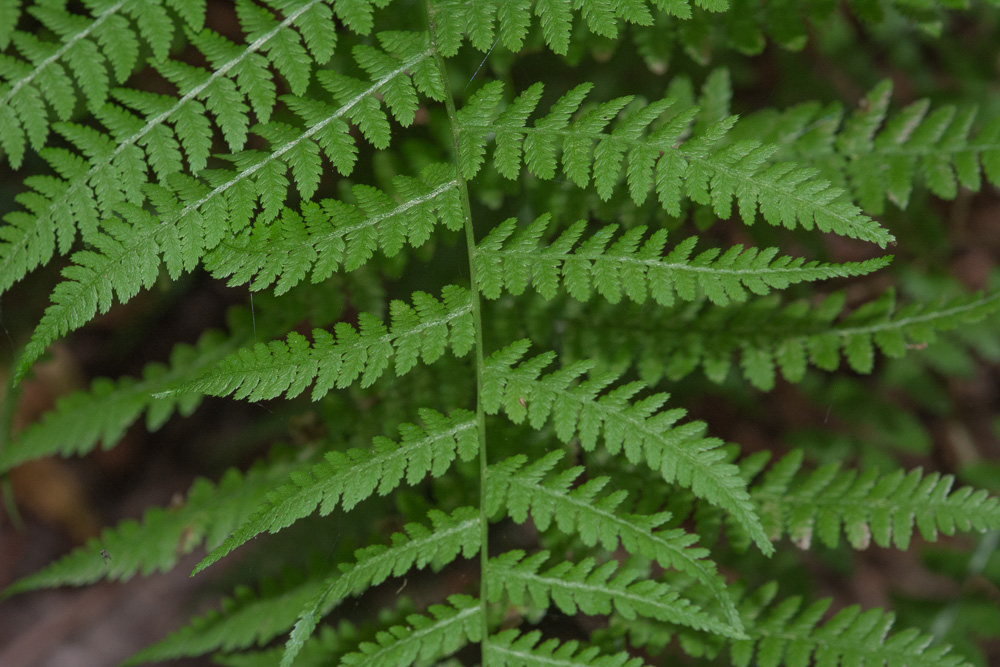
(102, 413)
(448, 536)
(884, 508)
(245, 619)
(426, 638)
(702, 168)
(331, 233)
(881, 156)
(511, 648)
(594, 589)
(581, 511)
(255, 618)
(268, 370)
(680, 454)
(785, 632)
(209, 513)
(766, 335)
(348, 478)
(637, 268)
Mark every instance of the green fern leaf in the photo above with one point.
(44, 72)
(285, 50)
(510, 648)
(102, 413)
(424, 639)
(245, 619)
(348, 478)
(481, 21)
(708, 171)
(332, 234)
(594, 518)
(268, 370)
(449, 535)
(157, 543)
(785, 633)
(869, 506)
(120, 266)
(582, 587)
(128, 254)
(510, 260)
(249, 618)
(770, 336)
(240, 78)
(782, 632)
(330, 643)
(882, 156)
(681, 454)
(10, 13)
(137, 189)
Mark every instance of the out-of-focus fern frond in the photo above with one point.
(869, 506)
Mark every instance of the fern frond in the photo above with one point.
(592, 589)
(698, 168)
(348, 478)
(425, 638)
(419, 546)
(268, 370)
(681, 454)
(101, 414)
(238, 80)
(580, 511)
(510, 648)
(637, 268)
(882, 156)
(331, 234)
(155, 544)
(199, 215)
(787, 633)
(245, 619)
(936, 147)
(781, 632)
(330, 643)
(869, 506)
(190, 221)
(92, 52)
(255, 618)
(769, 336)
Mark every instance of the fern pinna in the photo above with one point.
(492, 280)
